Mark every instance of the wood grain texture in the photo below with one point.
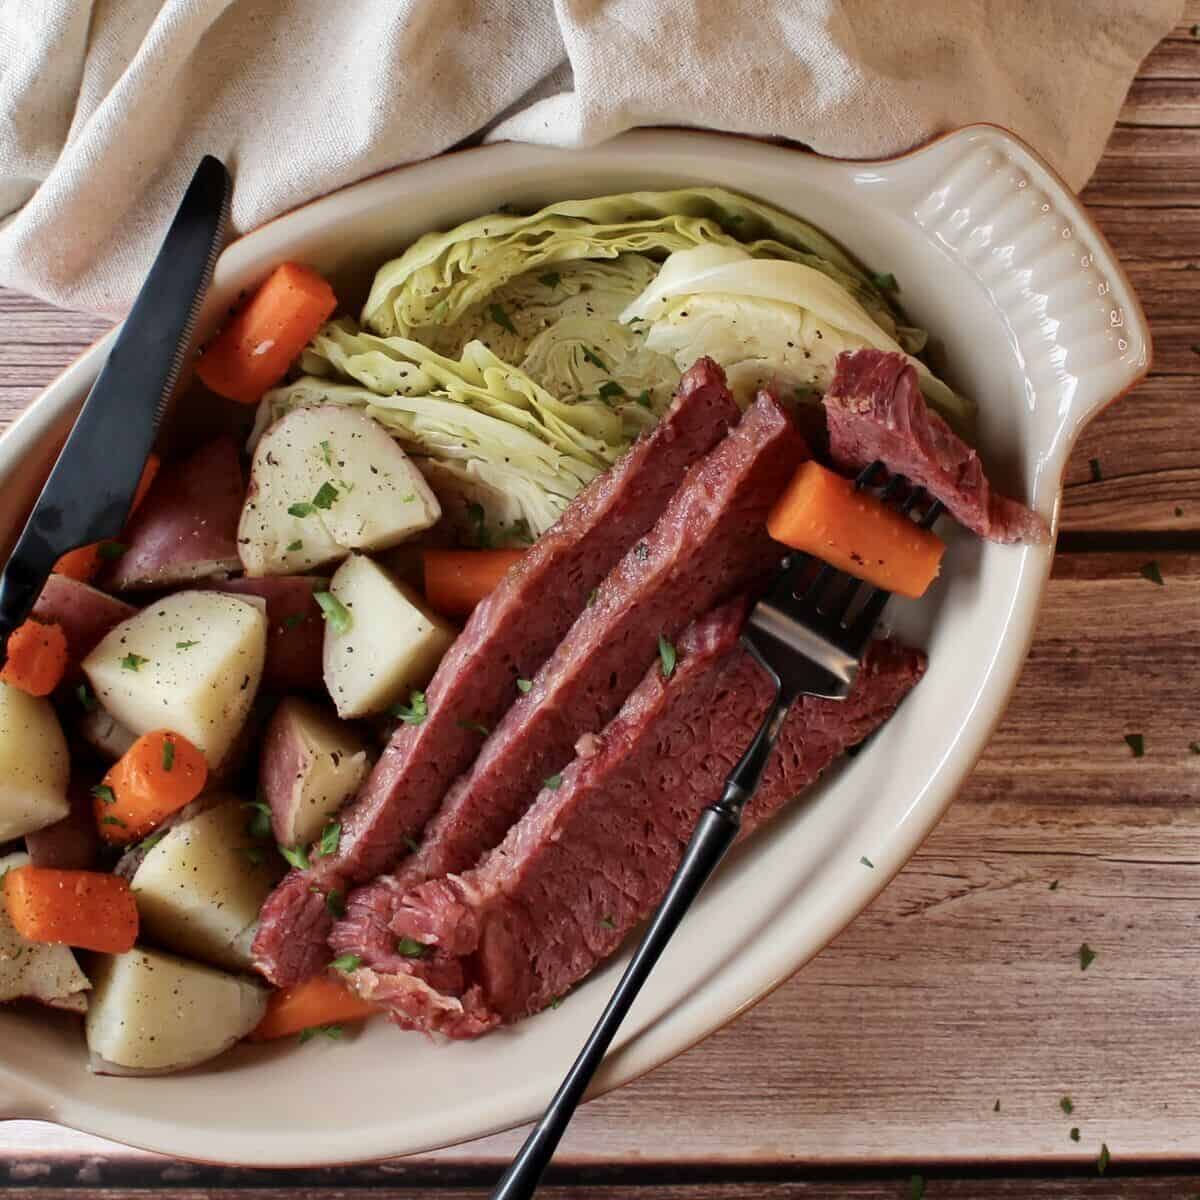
(961, 986)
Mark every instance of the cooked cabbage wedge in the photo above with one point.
(765, 320)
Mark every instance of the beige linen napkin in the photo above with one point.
(108, 104)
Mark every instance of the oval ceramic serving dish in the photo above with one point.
(1037, 322)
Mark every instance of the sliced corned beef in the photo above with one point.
(710, 543)
(876, 411)
(591, 858)
(507, 637)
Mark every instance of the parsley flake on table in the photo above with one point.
(411, 948)
(1094, 467)
(1066, 1105)
(168, 755)
(1194, 747)
(590, 354)
(1104, 1159)
(331, 835)
(497, 313)
(866, 862)
(326, 495)
(346, 963)
(1151, 572)
(524, 686)
(133, 662)
(296, 856)
(1136, 743)
(996, 1106)
(258, 824)
(1087, 956)
(414, 712)
(104, 793)
(337, 615)
(1054, 886)
(666, 655)
(1074, 1133)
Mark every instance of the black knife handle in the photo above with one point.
(715, 832)
(20, 586)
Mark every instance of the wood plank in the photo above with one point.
(1148, 167)
(961, 985)
(1162, 101)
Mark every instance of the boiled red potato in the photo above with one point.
(187, 526)
(105, 734)
(295, 631)
(311, 764)
(326, 481)
(190, 663)
(153, 1013)
(84, 614)
(40, 971)
(34, 764)
(381, 640)
(73, 843)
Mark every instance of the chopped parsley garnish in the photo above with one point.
(259, 823)
(1194, 747)
(916, 1187)
(885, 282)
(497, 313)
(104, 793)
(414, 712)
(333, 1032)
(1066, 1105)
(112, 821)
(610, 389)
(996, 1106)
(149, 843)
(411, 948)
(553, 782)
(1054, 886)
(1075, 1133)
(168, 755)
(1094, 464)
(86, 697)
(409, 498)
(642, 551)
(473, 726)
(327, 453)
(1136, 743)
(346, 963)
(591, 599)
(590, 354)
(1087, 956)
(524, 686)
(666, 655)
(477, 517)
(335, 902)
(298, 544)
(551, 279)
(254, 855)
(326, 495)
(1104, 1159)
(1151, 572)
(302, 509)
(866, 862)
(337, 615)
(133, 662)
(608, 922)
(296, 856)
(643, 398)
(186, 645)
(556, 1002)
(331, 835)
(292, 620)
(109, 551)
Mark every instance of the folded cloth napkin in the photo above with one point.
(109, 104)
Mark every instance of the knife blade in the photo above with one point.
(89, 491)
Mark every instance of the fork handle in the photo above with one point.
(715, 832)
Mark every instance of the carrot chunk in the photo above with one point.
(84, 562)
(156, 776)
(37, 658)
(86, 909)
(824, 515)
(456, 580)
(319, 1001)
(252, 352)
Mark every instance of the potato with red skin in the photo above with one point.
(84, 614)
(186, 529)
(295, 628)
(311, 764)
(73, 843)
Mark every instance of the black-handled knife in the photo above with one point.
(87, 497)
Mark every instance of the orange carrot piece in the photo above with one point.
(824, 515)
(456, 580)
(86, 909)
(156, 776)
(321, 1000)
(83, 563)
(252, 352)
(37, 658)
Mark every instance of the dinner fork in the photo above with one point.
(809, 633)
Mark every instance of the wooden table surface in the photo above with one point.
(940, 1032)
